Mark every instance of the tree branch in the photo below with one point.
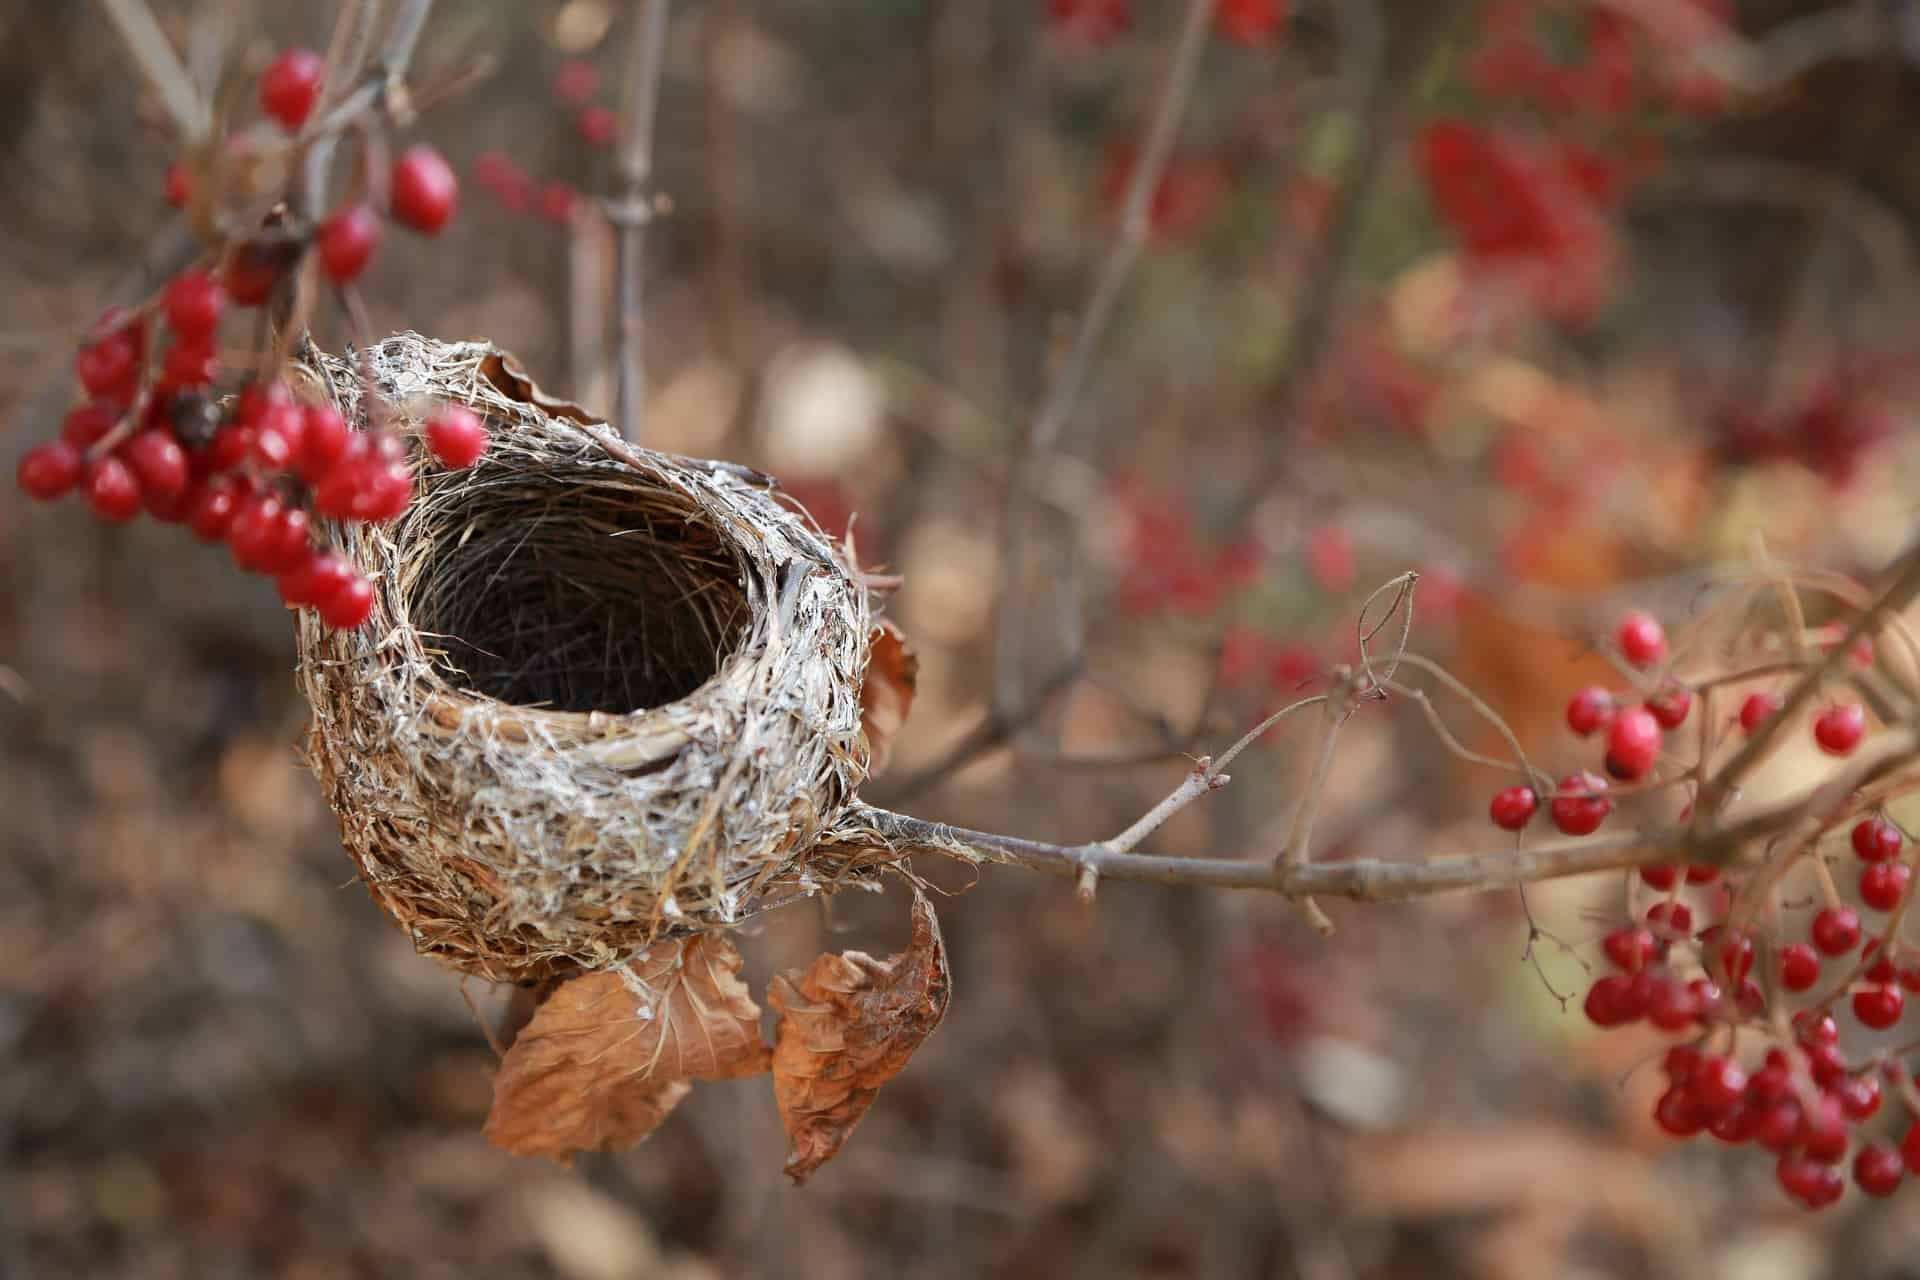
(630, 210)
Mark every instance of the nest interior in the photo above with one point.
(618, 598)
(605, 693)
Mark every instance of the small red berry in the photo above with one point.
(598, 126)
(1879, 1007)
(112, 490)
(1876, 840)
(1670, 706)
(252, 271)
(1678, 1114)
(1758, 708)
(1513, 808)
(1672, 920)
(1910, 1149)
(1251, 22)
(1811, 1027)
(1882, 969)
(558, 200)
(1589, 710)
(253, 535)
(160, 464)
(323, 441)
(1629, 947)
(1700, 872)
(1680, 1062)
(1812, 1183)
(1672, 1005)
(110, 366)
(1611, 1002)
(194, 302)
(1878, 1168)
(425, 191)
(190, 364)
(1732, 953)
(319, 578)
(87, 423)
(1839, 727)
(1661, 875)
(1882, 884)
(1823, 1131)
(210, 508)
(1799, 967)
(347, 240)
(457, 437)
(288, 548)
(1633, 744)
(1642, 640)
(1580, 805)
(1718, 1085)
(1835, 930)
(48, 471)
(1859, 1096)
(291, 85)
(576, 81)
(1778, 1129)
(179, 185)
(349, 605)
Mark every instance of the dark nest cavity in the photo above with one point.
(579, 592)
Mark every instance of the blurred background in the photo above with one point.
(1556, 303)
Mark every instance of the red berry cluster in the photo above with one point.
(1595, 59)
(1100, 22)
(254, 469)
(496, 173)
(1804, 1100)
(1832, 429)
(1192, 189)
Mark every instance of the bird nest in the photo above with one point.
(606, 694)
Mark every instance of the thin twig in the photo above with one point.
(160, 66)
(629, 209)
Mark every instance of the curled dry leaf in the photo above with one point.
(608, 1055)
(848, 1026)
(507, 375)
(887, 694)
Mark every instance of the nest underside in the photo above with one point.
(601, 698)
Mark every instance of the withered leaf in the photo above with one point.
(886, 694)
(847, 1026)
(510, 379)
(607, 1056)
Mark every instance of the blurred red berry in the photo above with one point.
(1811, 1182)
(1882, 884)
(1838, 729)
(210, 508)
(1251, 22)
(576, 81)
(456, 436)
(1835, 930)
(1642, 640)
(1581, 804)
(1757, 709)
(1799, 967)
(349, 605)
(290, 86)
(558, 200)
(194, 302)
(1878, 1169)
(347, 241)
(1670, 706)
(113, 492)
(48, 471)
(1876, 840)
(598, 125)
(159, 463)
(1513, 808)
(1633, 744)
(1879, 1007)
(1092, 22)
(179, 185)
(425, 191)
(1589, 710)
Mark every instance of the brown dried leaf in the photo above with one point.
(589, 1073)
(886, 696)
(510, 378)
(848, 1026)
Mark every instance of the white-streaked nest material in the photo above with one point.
(606, 694)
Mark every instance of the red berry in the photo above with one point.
(558, 201)
(1879, 1007)
(1580, 805)
(1629, 947)
(425, 190)
(457, 437)
(190, 363)
(1839, 727)
(1812, 1183)
(1882, 969)
(253, 535)
(1799, 967)
(599, 126)
(349, 605)
(288, 548)
(1859, 1096)
(1661, 875)
(160, 464)
(1876, 840)
(1736, 1125)
(179, 186)
(1678, 1114)
(1882, 884)
(1778, 1128)
(252, 272)
(210, 508)
(1811, 1027)
(291, 85)
(194, 302)
(1513, 808)
(231, 446)
(1700, 872)
(1610, 1001)
(48, 471)
(1835, 930)
(1718, 1085)
(87, 423)
(110, 366)
(1878, 1168)
(1251, 22)
(1680, 1062)
(347, 240)
(1672, 1005)
(1910, 1149)
(1642, 640)
(1633, 744)
(1672, 920)
(322, 575)
(323, 441)
(112, 490)
(1670, 706)
(1589, 710)
(1757, 708)
(576, 81)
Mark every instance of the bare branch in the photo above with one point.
(160, 66)
(629, 210)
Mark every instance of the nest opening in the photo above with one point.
(589, 596)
